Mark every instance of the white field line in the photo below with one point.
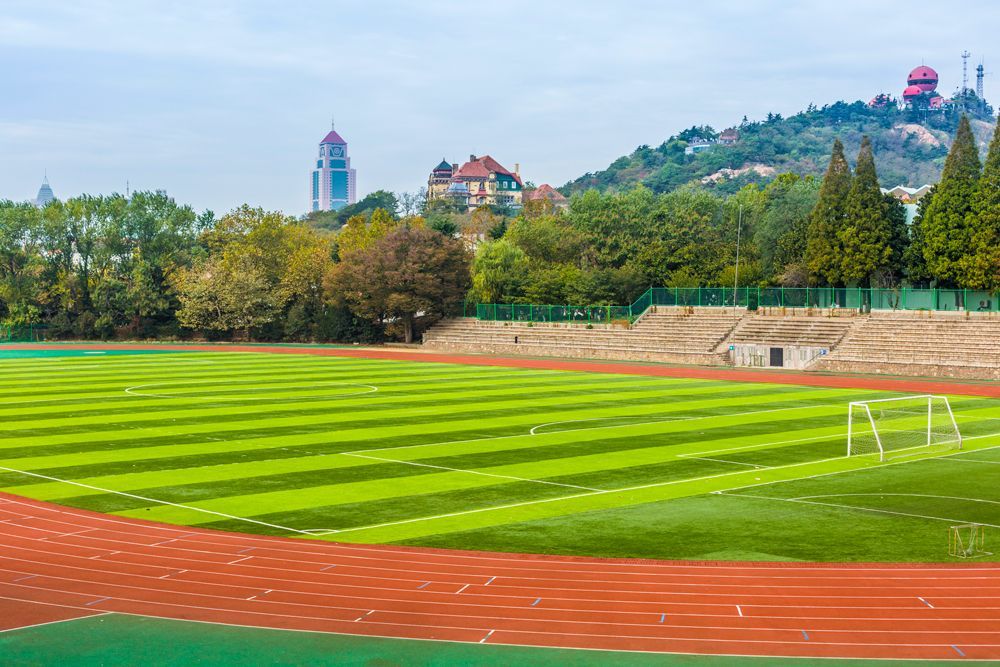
(591, 428)
(765, 445)
(534, 429)
(855, 507)
(911, 495)
(61, 620)
(132, 391)
(151, 500)
(632, 488)
(994, 463)
(735, 463)
(471, 472)
(881, 465)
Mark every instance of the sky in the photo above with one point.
(224, 102)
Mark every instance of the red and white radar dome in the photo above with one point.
(924, 78)
(912, 91)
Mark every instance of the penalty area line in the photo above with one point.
(640, 487)
(154, 500)
(801, 501)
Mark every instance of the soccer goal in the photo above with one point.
(892, 427)
(967, 541)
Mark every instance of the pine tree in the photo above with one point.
(823, 250)
(866, 236)
(983, 261)
(946, 228)
(913, 260)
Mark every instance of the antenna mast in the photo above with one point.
(980, 74)
(965, 71)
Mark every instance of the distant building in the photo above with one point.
(729, 137)
(334, 182)
(546, 192)
(440, 179)
(908, 195)
(45, 194)
(479, 182)
(697, 146)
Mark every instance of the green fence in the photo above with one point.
(28, 333)
(752, 298)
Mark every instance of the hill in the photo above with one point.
(910, 150)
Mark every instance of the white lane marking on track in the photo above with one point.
(471, 472)
(424, 625)
(488, 635)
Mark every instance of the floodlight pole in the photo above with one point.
(736, 277)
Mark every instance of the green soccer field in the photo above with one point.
(482, 457)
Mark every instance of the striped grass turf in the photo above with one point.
(449, 455)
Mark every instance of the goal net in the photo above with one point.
(893, 427)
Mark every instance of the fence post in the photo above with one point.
(782, 298)
(494, 312)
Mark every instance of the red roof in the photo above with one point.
(333, 138)
(922, 73)
(482, 167)
(545, 191)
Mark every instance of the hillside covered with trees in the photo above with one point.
(910, 149)
(146, 267)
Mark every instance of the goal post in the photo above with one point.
(890, 427)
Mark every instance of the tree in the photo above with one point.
(823, 249)
(947, 224)
(548, 238)
(498, 271)
(866, 236)
(982, 270)
(914, 263)
(780, 235)
(409, 271)
(362, 231)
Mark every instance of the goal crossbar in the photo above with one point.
(889, 426)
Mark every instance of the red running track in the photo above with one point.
(60, 563)
(805, 378)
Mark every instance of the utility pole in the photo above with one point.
(736, 278)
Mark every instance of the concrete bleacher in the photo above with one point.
(674, 335)
(954, 344)
(938, 344)
(806, 331)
